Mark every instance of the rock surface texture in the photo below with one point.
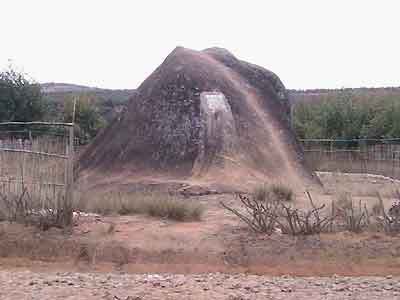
(85, 286)
(204, 117)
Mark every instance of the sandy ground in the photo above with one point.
(29, 285)
(217, 243)
(231, 263)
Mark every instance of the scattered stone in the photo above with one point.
(28, 285)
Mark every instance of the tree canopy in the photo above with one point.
(20, 98)
(348, 116)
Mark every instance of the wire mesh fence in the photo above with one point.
(372, 156)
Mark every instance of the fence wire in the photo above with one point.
(372, 156)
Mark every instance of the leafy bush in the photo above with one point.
(20, 98)
(348, 115)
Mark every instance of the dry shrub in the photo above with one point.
(266, 217)
(306, 222)
(390, 222)
(260, 216)
(345, 215)
(355, 218)
(22, 208)
(150, 203)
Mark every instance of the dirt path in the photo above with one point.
(28, 285)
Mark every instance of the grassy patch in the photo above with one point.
(281, 192)
(276, 192)
(150, 203)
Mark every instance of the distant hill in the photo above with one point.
(313, 95)
(110, 102)
(58, 91)
(54, 87)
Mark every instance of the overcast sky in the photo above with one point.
(117, 44)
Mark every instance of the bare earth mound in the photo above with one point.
(202, 118)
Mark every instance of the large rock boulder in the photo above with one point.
(202, 117)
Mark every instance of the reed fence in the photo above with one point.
(37, 158)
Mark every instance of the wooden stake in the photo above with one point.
(69, 185)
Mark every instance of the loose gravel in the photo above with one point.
(30, 285)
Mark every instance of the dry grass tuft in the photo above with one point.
(276, 192)
(261, 193)
(174, 209)
(343, 200)
(150, 203)
(377, 209)
(281, 192)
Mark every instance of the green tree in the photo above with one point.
(385, 121)
(338, 116)
(20, 99)
(88, 119)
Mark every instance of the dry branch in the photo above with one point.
(265, 217)
(262, 217)
(297, 222)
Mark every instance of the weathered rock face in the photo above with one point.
(203, 115)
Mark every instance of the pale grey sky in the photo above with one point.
(117, 44)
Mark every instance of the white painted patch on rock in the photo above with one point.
(218, 136)
(214, 102)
